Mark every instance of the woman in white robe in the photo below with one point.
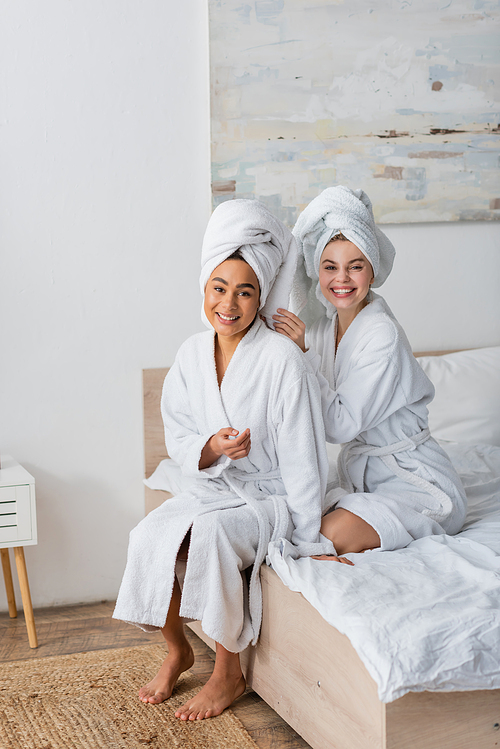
(396, 483)
(242, 415)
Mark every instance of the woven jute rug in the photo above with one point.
(89, 701)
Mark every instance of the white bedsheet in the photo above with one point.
(427, 617)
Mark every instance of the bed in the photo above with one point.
(352, 692)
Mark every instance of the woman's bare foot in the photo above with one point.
(218, 693)
(160, 688)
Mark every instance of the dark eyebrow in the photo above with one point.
(238, 286)
(356, 260)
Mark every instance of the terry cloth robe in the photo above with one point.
(374, 396)
(234, 508)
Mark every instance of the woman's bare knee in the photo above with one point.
(348, 532)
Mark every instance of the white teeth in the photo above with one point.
(226, 317)
(343, 291)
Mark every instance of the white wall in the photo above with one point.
(445, 286)
(104, 199)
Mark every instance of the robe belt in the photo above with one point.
(236, 479)
(257, 476)
(386, 453)
(279, 502)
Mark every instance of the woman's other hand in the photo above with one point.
(292, 326)
(226, 441)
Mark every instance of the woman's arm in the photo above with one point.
(184, 438)
(303, 462)
(368, 394)
(372, 389)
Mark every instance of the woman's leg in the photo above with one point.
(223, 546)
(180, 654)
(348, 532)
(224, 686)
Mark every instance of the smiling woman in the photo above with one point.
(396, 483)
(238, 404)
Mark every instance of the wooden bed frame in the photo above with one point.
(311, 675)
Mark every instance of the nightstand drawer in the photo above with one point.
(15, 513)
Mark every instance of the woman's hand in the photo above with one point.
(292, 326)
(225, 442)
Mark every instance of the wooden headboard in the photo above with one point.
(154, 436)
(437, 353)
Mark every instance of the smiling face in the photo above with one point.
(345, 276)
(232, 298)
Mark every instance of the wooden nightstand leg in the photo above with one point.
(26, 595)
(9, 587)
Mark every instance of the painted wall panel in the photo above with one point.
(398, 97)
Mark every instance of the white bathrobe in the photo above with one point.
(374, 396)
(234, 508)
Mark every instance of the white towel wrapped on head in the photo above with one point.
(264, 243)
(336, 210)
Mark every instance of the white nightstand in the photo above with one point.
(17, 529)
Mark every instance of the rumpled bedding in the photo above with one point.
(426, 617)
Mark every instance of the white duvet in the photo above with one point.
(426, 617)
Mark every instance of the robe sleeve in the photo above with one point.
(303, 463)
(182, 436)
(370, 392)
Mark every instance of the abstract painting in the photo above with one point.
(399, 97)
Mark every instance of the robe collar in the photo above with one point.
(377, 305)
(246, 341)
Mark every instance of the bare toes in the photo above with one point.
(333, 558)
(344, 560)
(156, 698)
